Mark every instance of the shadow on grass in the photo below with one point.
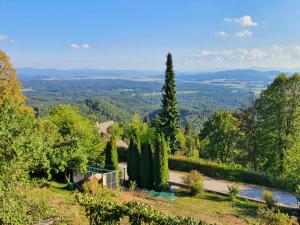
(182, 193)
(58, 185)
(246, 208)
(212, 197)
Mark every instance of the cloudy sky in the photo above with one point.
(137, 34)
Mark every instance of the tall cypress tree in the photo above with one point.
(160, 164)
(111, 155)
(169, 115)
(146, 166)
(133, 158)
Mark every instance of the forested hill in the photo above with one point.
(242, 74)
(118, 95)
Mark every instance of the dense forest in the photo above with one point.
(198, 95)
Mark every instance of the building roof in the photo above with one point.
(103, 129)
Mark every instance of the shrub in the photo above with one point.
(269, 199)
(91, 186)
(274, 217)
(195, 181)
(234, 190)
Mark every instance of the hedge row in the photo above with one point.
(225, 171)
(231, 172)
(103, 212)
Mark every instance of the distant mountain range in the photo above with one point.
(241, 74)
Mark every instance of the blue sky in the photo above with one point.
(137, 34)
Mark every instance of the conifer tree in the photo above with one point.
(133, 158)
(169, 115)
(111, 155)
(146, 166)
(161, 169)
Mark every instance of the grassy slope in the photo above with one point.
(63, 202)
(210, 207)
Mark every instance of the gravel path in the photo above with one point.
(248, 191)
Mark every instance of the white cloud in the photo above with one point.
(221, 34)
(3, 37)
(274, 56)
(76, 46)
(85, 46)
(245, 21)
(243, 33)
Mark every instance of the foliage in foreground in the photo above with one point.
(21, 150)
(103, 212)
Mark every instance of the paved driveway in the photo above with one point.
(248, 191)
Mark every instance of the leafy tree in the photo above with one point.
(79, 141)
(111, 154)
(249, 154)
(278, 116)
(222, 133)
(169, 115)
(46, 136)
(18, 150)
(160, 164)
(10, 88)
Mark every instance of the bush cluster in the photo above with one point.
(230, 172)
(103, 212)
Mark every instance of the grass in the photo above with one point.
(208, 207)
(63, 202)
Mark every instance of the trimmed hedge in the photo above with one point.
(227, 172)
(231, 172)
